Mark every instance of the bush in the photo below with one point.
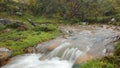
(99, 19)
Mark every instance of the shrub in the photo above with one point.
(105, 19)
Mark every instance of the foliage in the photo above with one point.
(117, 52)
(97, 64)
(69, 9)
(2, 27)
(73, 10)
(117, 17)
(12, 7)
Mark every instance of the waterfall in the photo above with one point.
(32, 60)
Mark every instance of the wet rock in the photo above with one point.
(48, 46)
(117, 28)
(5, 54)
(64, 31)
(65, 36)
(84, 59)
(52, 46)
(30, 50)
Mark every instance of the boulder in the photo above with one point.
(52, 46)
(4, 21)
(84, 59)
(30, 50)
(5, 55)
(20, 26)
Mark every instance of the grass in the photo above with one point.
(118, 45)
(17, 41)
(36, 19)
(97, 64)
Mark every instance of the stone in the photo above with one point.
(52, 46)
(5, 55)
(6, 30)
(4, 21)
(22, 28)
(30, 50)
(83, 59)
(84, 23)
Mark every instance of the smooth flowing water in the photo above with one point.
(95, 42)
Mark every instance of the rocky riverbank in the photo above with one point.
(68, 32)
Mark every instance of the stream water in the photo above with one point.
(96, 43)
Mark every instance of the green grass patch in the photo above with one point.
(97, 64)
(118, 45)
(19, 40)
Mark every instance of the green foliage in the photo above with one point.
(68, 9)
(97, 64)
(102, 19)
(118, 45)
(79, 10)
(2, 27)
(76, 66)
(13, 8)
(18, 41)
(117, 17)
(113, 60)
(117, 52)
